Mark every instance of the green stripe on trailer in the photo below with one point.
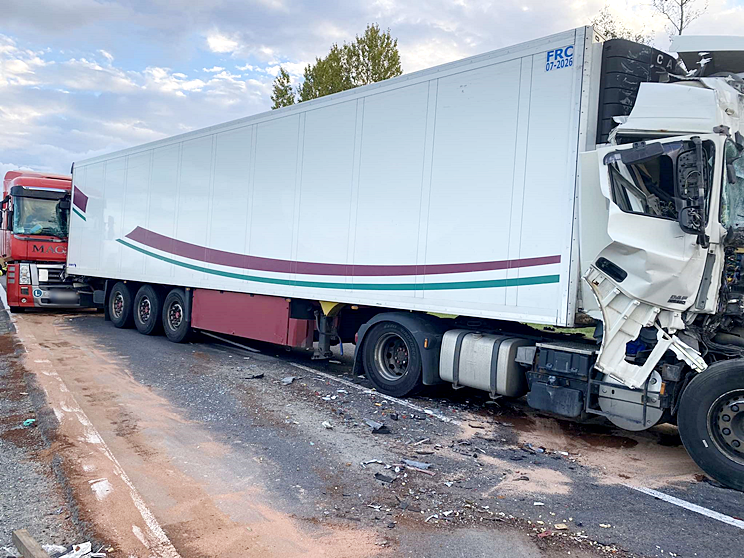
(79, 214)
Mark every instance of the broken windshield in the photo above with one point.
(39, 216)
(659, 184)
(732, 199)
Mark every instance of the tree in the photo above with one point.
(283, 95)
(373, 57)
(606, 25)
(680, 13)
(370, 58)
(327, 76)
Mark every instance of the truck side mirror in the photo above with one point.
(64, 204)
(691, 221)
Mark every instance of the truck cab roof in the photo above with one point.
(36, 180)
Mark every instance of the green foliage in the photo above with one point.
(283, 96)
(328, 75)
(372, 57)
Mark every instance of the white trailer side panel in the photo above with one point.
(449, 190)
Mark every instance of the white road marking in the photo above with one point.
(368, 391)
(727, 519)
(101, 488)
(164, 548)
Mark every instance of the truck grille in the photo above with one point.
(55, 275)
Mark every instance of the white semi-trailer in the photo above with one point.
(429, 217)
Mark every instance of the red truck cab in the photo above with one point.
(35, 212)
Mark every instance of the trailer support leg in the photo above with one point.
(326, 332)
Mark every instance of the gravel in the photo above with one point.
(30, 496)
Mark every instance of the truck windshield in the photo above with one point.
(661, 185)
(646, 188)
(732, 198)
(39, 216)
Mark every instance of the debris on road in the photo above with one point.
(430, 473)
(28, 547)
(422, 441)
(377, 427)
(544, 534)
(364, 464)
(384, 478)
(416, 464)
(560, 527)
(254, 376)
(288, 380)
(28, 422)
(539, 504)
(83, 550)
(327, 425)
(605, 525)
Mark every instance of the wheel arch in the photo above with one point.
(426, 330)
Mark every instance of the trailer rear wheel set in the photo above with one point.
(149, 312)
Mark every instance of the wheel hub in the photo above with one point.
(727, 424)
(175, 315)
(145, 309)
(118, 305)
(391, 357)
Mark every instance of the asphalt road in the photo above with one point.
(192, 409)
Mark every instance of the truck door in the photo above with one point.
(663, 245)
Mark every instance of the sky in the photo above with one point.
(79, 78)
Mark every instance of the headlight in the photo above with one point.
(24, 274)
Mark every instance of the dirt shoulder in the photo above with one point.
(33, 492)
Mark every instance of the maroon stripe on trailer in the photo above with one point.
(256, 263)
(79, 199)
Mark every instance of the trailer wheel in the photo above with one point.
(147, 310)
(711, 422)
(120, 305)
(392, 360)
(175, 322)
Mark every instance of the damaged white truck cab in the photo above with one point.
(666, 286)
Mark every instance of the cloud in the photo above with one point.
(83, 77)
(55, 112)
(294, 69)
(220, 43)
(107, 55)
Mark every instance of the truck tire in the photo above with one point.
(392, 360)
(147, 310)
(175, 321)
(711, 422)
(120, 305)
